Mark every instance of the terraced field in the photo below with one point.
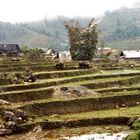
(115, 98)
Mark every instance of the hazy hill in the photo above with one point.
(45, 33)
(121, 29)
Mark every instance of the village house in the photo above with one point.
(131, 54)
(104, 51)
(10, 49)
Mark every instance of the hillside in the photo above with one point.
(120, 28)
(45, 33)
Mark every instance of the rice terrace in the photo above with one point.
(101, 95)
(79, 88)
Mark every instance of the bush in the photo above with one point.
(134, 136)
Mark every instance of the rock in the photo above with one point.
(60, 66)
(18, 120)
(11, 121)
(64, 88)
(11, 125)
(21, 115)
(8, 115)
(125, 90)
(55, 115)
(1, 125)
(123, 105)
(4, 102)
(117, 106)
(4, 131)
(73, 91)
(37, 129)
(131, 66)
(1, 90)
(137, 103)
(83, 65)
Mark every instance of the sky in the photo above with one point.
(16, 11)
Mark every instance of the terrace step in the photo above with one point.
(129, 81)
(106, 117)
(94, 118)
(117, 89)
(47, 93)
(28, 95)
(67, 73)
(27, 63)
(53, 74)
(55, 124)
(59, 81)
(43, 107)
(60, 74)
(35, 68)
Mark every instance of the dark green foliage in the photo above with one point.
(136, 124)
(34, 53)
(134, 136)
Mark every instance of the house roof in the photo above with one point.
(132, 53)
(105, 48)
(8, 48)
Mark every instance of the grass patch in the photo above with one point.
(128, 112)
(72, 81)
(118, 89)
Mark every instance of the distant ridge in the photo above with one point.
(120, 28)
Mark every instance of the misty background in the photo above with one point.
(120, 27)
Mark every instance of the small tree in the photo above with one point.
(24, 49)
(35, 53)
(82, 40)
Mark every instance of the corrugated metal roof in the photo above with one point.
(132, 53)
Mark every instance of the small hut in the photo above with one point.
(131, 54)
(10, 49)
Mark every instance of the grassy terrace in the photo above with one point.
(122, 112)
(26, 62)
(88, 73)
(94, 118)
(63, 106)
(118, 89)
(102, 80)
(59, 74)
(106, 82)
(42, 87)
(35, 63)
(54, 74)
(47, 67)
(122, 93)
(55, 81)
(45, 96)
(118, 94)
